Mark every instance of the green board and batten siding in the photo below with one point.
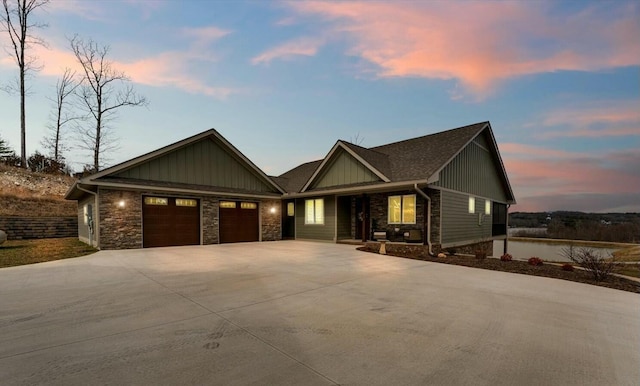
(344, 169)
(474, 171)
(316, 231)
(458, 225)
(214, 167)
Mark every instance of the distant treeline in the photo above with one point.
(614, 227)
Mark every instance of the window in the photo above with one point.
(186, 202)
(227, 204)
(472, 204)
(487, 207)
(402, 209)
(314, 211)
(248, 205)
(156, 201)
(291, 211)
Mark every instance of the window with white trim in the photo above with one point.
(314, 211)
(402, 209)
(487, 207)
(472, 204)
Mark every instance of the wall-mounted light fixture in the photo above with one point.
(272, 210)
(121, 204)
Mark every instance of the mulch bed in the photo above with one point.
(515, 266)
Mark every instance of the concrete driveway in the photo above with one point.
(303, 313)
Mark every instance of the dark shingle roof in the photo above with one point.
(293, 180)
(376, 159)
(419, 158)
(407, 160)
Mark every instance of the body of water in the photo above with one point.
(523, 250)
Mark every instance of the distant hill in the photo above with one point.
(543, 219)
(25, 193)
(615, 227)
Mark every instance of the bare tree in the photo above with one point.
(15, 21)
(103, 90)
(357, 139)
(61, 116)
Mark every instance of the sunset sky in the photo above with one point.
(282, 81)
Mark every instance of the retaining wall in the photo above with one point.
(39, 227)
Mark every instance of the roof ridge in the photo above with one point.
(362, 147)
(427, 135)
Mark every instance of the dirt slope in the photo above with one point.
(24, 193)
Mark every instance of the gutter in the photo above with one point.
(97, 221)
(423, 194)
(359, 189)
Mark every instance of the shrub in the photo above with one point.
(506, 257)
(567, 267)
(592, 261)
(535, 261)
(42, 164)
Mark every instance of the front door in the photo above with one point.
(363, 219)
(288, 219)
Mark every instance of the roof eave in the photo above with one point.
(384, 186)
(185, 191)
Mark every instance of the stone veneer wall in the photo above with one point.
(271, 222)
(39, 227)
(210, 220)
(120, 228)
(423, 250)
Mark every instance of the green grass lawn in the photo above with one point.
(20, 252)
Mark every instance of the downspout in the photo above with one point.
(97, 220)
(506, 231)
(423, 194)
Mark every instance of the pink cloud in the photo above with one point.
(164, 69)
(479, 44)
(304, 46)
(205, 35)
(594, 120)
(545, 175)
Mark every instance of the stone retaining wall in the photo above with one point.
(39, 227)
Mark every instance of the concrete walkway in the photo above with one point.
(303, 313)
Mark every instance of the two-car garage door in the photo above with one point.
(169, 221)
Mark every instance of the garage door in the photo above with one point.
(170, 221)
(238, 221)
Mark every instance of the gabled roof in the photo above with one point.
(422, 157)
(293, 180)
(357, 152)
(109, 176)
(416, 160)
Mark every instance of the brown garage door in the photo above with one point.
(170, 221)
(238, 221)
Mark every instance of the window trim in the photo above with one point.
(317, 220)
(156, 201)
(402, 209)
